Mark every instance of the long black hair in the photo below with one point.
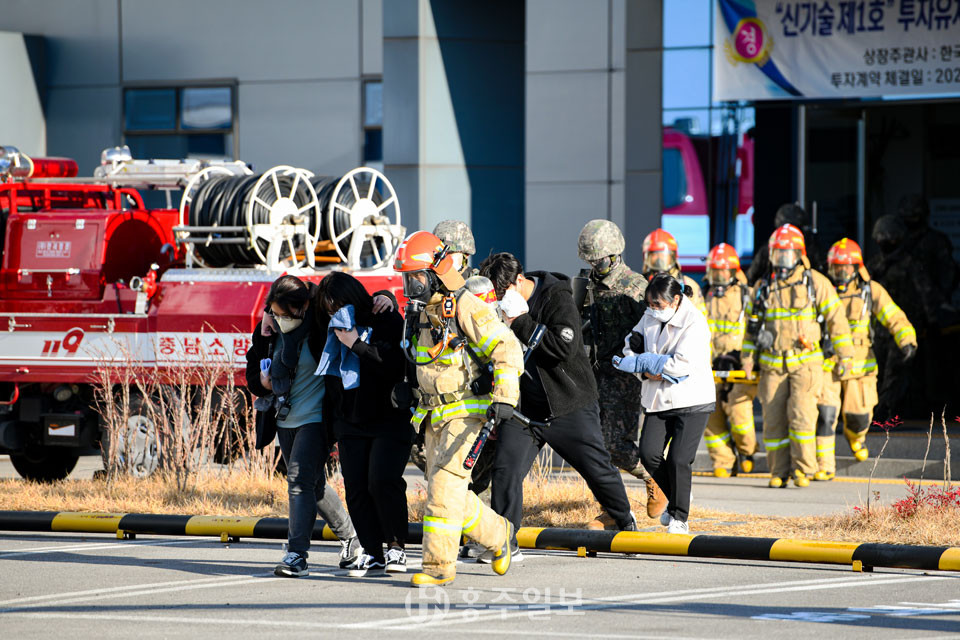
(502, 269)
(340, 289)
(290, 293)
(664, 288)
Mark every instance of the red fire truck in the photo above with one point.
(89, 273)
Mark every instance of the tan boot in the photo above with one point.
(656, 501)
(603, 522)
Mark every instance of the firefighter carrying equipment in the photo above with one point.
(789, 308)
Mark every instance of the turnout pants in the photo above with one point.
(853, 399)
(576, 437)
(452, 509)
(741, 435)
(789, 403)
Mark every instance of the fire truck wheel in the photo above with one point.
(45, 465)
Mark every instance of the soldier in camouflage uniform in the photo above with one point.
(903, 272)
(613, 306)
(457, 235)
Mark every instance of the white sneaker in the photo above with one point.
(665, 518)
(678, 526)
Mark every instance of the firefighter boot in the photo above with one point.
(855, 429)
(800, 479)
(501, 561)
(427, 580)
(656, 501)
(826, 441)
(746, 464)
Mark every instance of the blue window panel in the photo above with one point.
(372, 146)
(150, 109)
(686, 23)
(203, 146)
(373, 104)
(686, 78)
(206, 108)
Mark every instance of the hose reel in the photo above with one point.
(286, 217)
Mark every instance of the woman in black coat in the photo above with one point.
(281, 365)
(374, 436)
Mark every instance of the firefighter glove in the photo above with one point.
(499, 411)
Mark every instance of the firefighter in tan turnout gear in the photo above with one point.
(787, 312)
(453, 336)
(660, 256)
(730, 430)
(862, 300)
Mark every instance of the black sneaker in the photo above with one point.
(366, 565)
(293, 565)
(472, 551)
(515, 554)
(396, 560)
(350, 551)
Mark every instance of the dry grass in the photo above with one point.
(548, 502)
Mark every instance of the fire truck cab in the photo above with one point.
(91, 277)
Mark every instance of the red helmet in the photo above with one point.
(788, 237)
(723, 256)
(424, 260)
(659, 251)
(659, 240)
(845, 251)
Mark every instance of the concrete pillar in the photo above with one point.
(453, 116)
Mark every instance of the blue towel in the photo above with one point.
(337, 359)
(647, 362)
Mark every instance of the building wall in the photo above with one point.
(21, 115)
(593, 134)
(298, 67)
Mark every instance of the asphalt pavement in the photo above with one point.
(97, 587)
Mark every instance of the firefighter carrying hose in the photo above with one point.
(791, 308)
(727, 298)
(660, 256)
(452, 335)
(862, 300)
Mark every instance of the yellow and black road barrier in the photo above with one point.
(860, 556)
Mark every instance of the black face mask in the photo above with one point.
(888, 246)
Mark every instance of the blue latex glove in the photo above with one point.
(265, 365)
(626, 363)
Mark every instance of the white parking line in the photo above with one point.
(93, 547)
(304, 624)
(619, 602)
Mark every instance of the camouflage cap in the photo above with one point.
(599, 239)
(889, 229)
(456, 235)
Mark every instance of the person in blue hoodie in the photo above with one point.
(362, 362)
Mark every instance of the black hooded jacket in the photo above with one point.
(560, 361)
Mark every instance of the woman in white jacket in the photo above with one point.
(670, 347)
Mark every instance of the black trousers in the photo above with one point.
(372, 467)
(683, 430)
(577, 438)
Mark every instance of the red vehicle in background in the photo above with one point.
(91, 277)
(702, 180)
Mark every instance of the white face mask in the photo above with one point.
(286, 325)
(661, 315)
(513, 304)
